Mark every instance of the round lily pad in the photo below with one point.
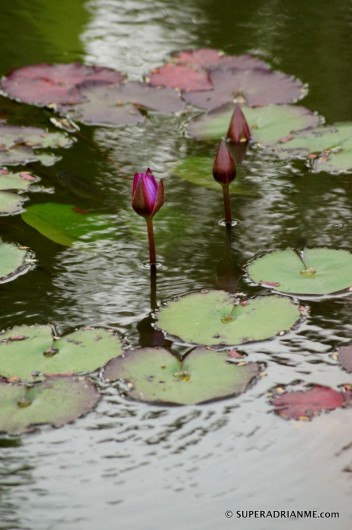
(64, 223)
(11, 203)
(254, 87)
(314, 271)
(19, 145)
(14, 261)
(210, 58)
(216, 317)
(268, 125)
(180, 76)
(57, 401)
(155, 375)
(29, 352)
(48, 84)
(306, 404)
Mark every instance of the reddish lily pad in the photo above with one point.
(118, 105)
(216, 317)
(155, 375)
(209, 58)
(29, 352)
(180, 76)
(48, 84)
(254, 87)
(344, 354)
(19, 145)
(57, 401)
(306, 404)
(14, 261)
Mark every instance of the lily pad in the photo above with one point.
(48, 84)
(29, 352)
(306, 404)
(11, 203)
(314, 271)
(253, 87)
(198, 171)
(57, 401)
(117, 105)
(18, 145)
(216, 317)
(209, 58)
(268, 125)
(157, 376)
(14, 261)
(64, 224)
(180, 76)
(344, 354)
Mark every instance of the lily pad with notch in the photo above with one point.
(56, 401)
(156, 376)
(10, 202)
(218, 318)
(66, 224)
(30, 352)
(269, 125)
(14, 261)
(20, 145)
(304, 404)
(310, 272)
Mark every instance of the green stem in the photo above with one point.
(227, 205)
(151, 241)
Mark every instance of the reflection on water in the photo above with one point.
(135, 466)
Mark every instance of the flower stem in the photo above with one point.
(227, 206)
(151, 241)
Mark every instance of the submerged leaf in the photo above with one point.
(322, 271)
(157, 376)
(57, 401)
(216, 317)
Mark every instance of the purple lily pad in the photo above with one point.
(306, 404)
(209, 58)
(183, 77)
(56, 401)
(345, 357)
(254, 87)
(47, 84)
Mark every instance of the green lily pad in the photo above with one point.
(56, 401)
(157, 376)
(28, 352)
(14, 261)
(198, 171)
(18, 145)
(323, 271)
(216, 317)
(11, 203)
(64, 224)
(268, 125)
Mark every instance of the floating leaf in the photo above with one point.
(64, 224)
(216, 317)
(11, 203)
(38, 352)
(18, 145)
(268, 125)
(48, 84)
(155, 375)
(180, 76)
(198, 171)
(345, 357)
(323, 271)
(254, 87)
(118, 105)
(14, 261)
(306, 404)
(57, 401)
(209, 58)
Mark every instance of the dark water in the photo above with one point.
(129, 465)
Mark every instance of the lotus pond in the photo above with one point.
(218, 382)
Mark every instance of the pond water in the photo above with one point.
(131, 465)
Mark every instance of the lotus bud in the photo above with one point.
(147, 194)
(238, 130)
(224, 167)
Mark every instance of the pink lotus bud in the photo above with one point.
(238, 130)
(224, 167)
(147, 194)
